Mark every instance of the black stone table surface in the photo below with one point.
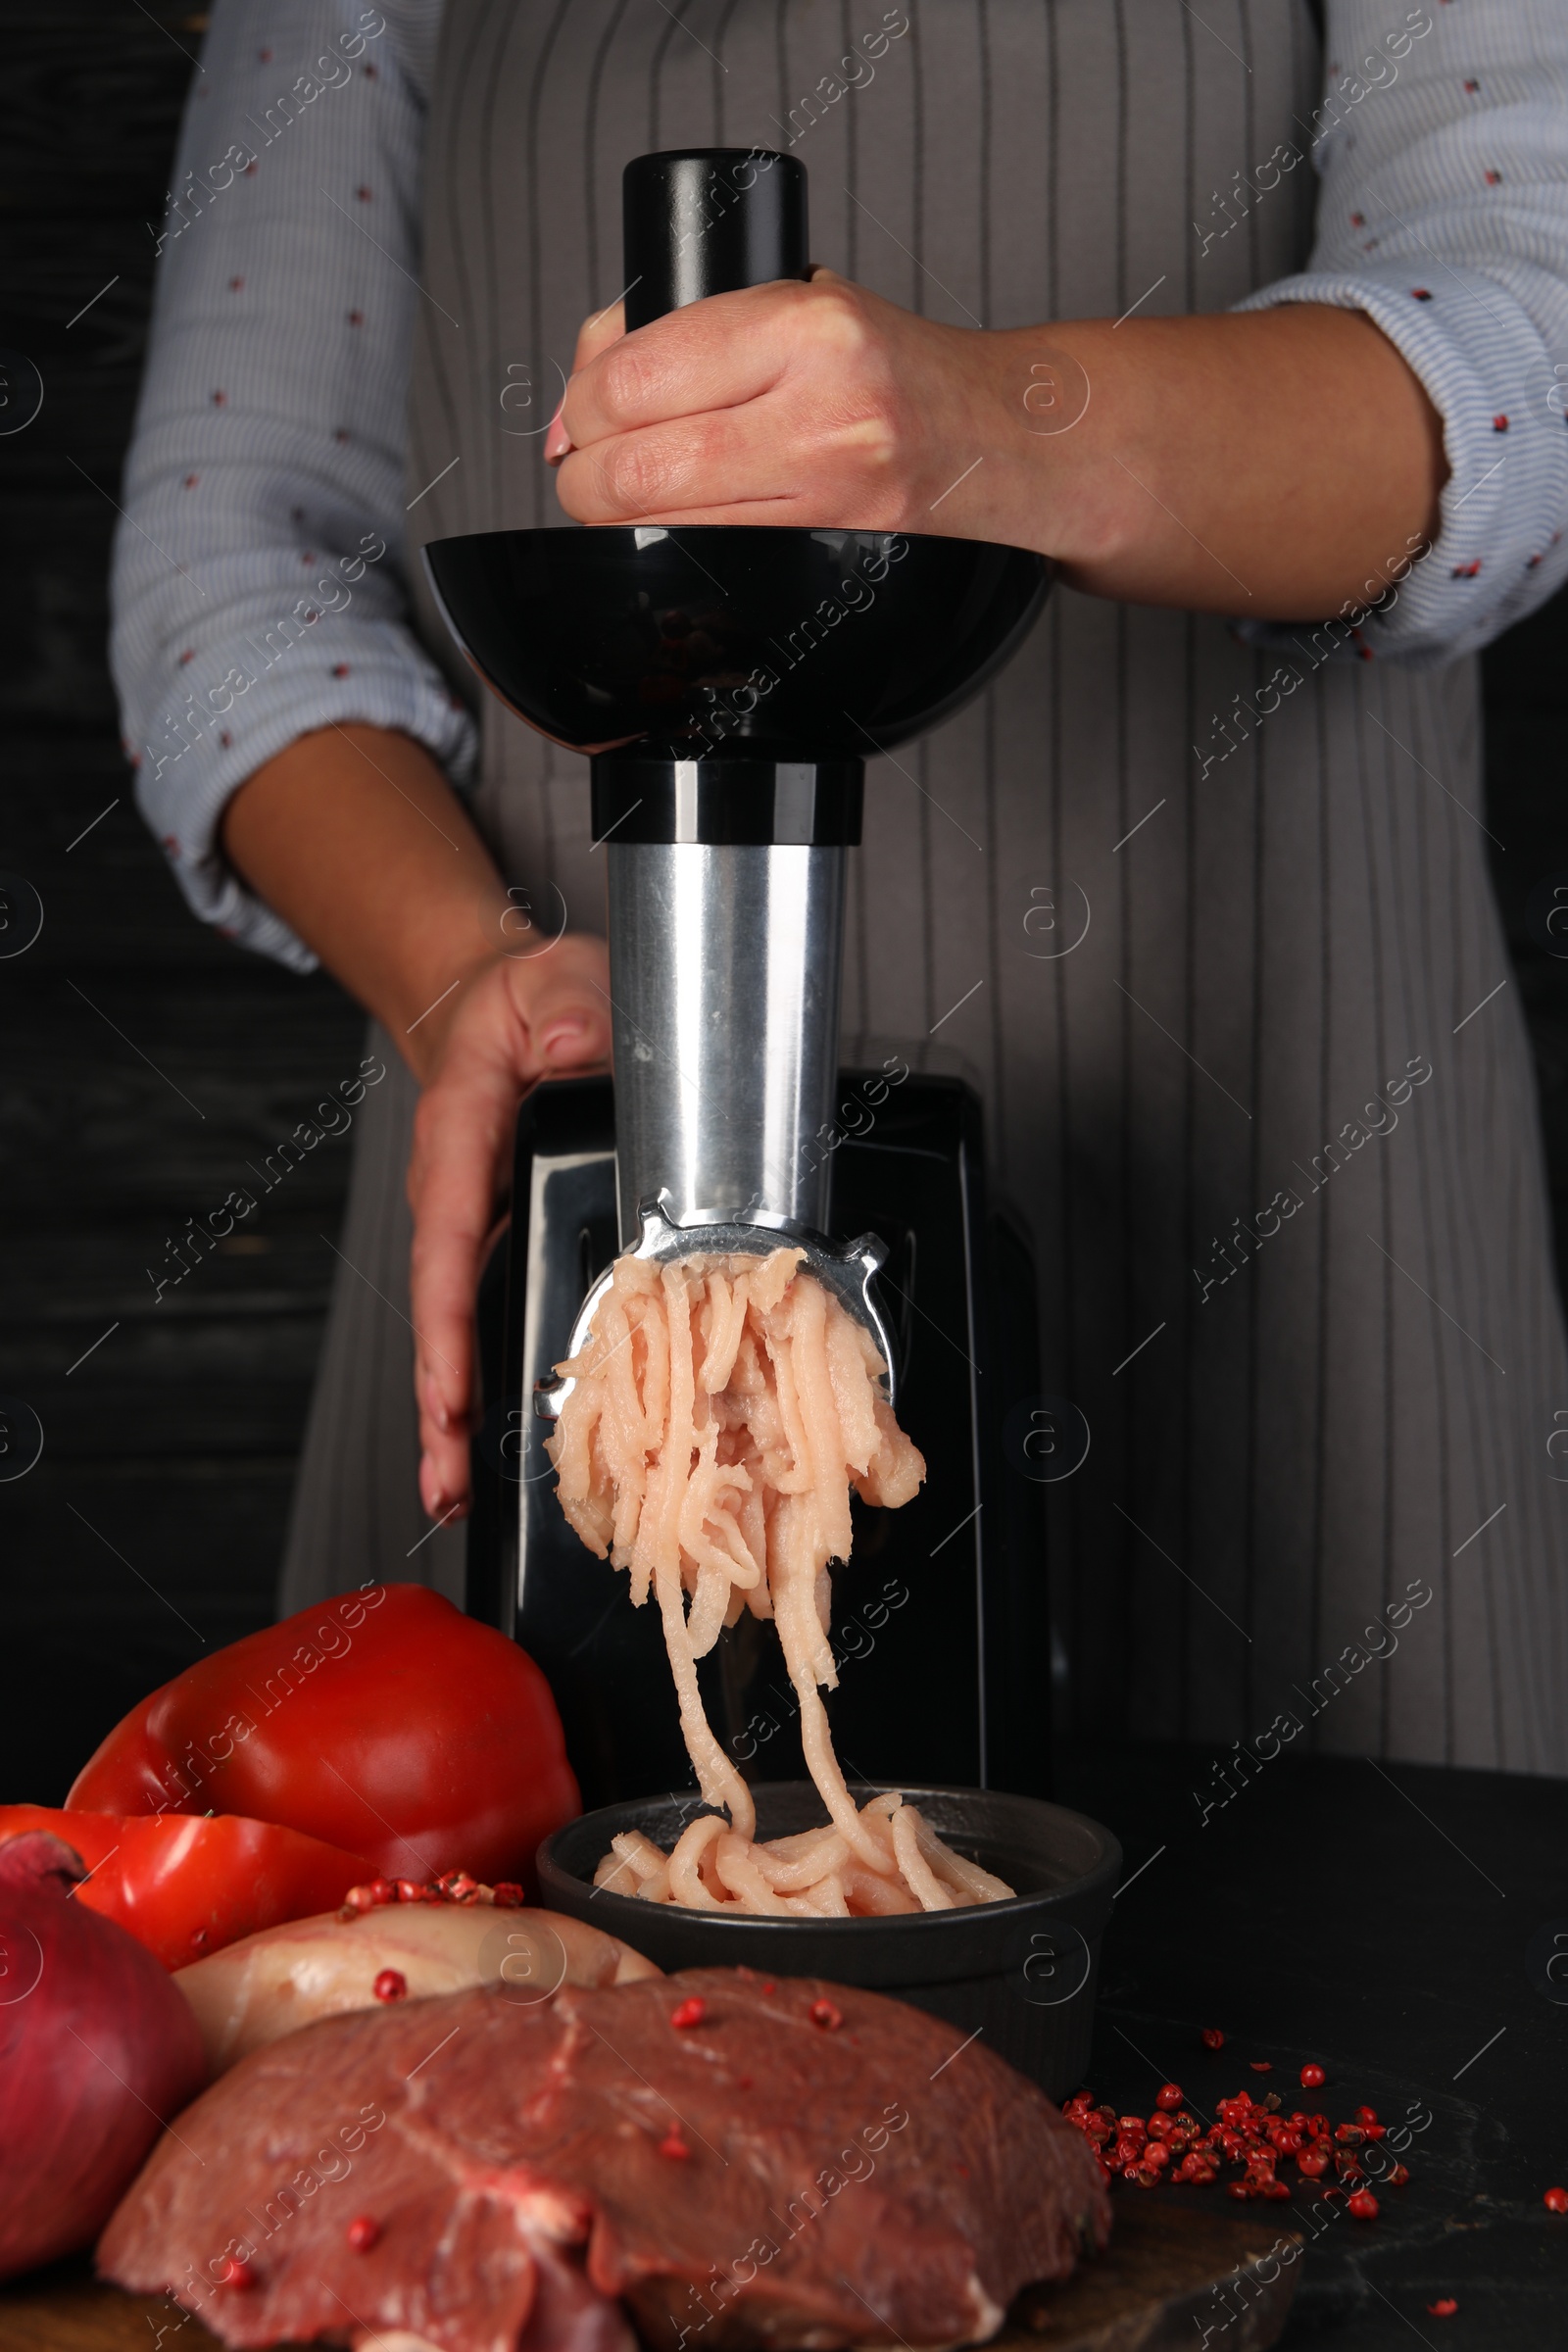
(1405, 1927)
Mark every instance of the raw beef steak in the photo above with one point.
(740, 2161)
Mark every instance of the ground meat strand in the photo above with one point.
(718, 1416)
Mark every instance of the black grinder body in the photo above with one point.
(941, 1631)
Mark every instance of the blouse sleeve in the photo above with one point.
(256, 588)
(1442, 146)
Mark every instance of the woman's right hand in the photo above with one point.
(514, 1020)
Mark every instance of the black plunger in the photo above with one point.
(709, 221)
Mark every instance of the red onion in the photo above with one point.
(98, 2047)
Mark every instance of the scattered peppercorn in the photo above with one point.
(672, 2144)
(391, 1985)
(689, 2012)
(1444, 2308)
(1311, 2077)
(238, 2273)
(826, 2014)
(1254, 2135)
(1261, 2066)
(1556, 2200)
(1170, 2099)
(1363, 2205)
(455, 1887)
(364, 2232)
(1213, 2038)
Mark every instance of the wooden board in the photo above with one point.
(1168, 2267)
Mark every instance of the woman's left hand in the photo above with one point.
(793, 403)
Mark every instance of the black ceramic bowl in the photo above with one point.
(818, 643)
(1023, 1972)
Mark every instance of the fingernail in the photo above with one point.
(435, 1404)
(557, 441)
(562, 1040)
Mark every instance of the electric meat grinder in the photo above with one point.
(729, 684)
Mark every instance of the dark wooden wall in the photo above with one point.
(156, 1514)
(155, 1517)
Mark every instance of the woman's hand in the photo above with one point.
(354, 837)
(513, 1020)
(792, 403)
(1277, 465)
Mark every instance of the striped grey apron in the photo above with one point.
(1214, 981)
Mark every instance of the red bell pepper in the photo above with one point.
(185, 1887)
(384, 1722)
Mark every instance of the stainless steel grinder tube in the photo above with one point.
(724, 971)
